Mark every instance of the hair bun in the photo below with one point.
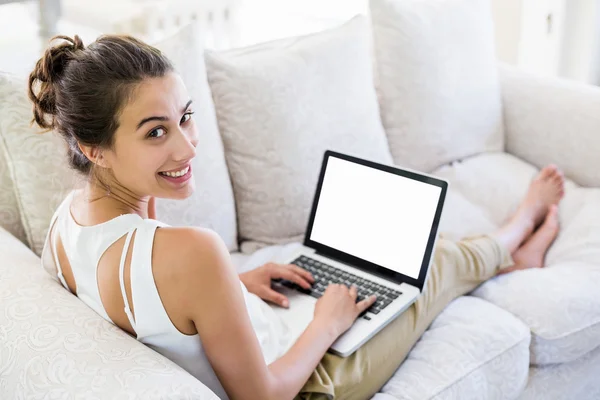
(46, 74)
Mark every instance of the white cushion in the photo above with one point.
(42, 176)
(550, 120)
(561, 302)
(10, 218)
(472, 350)
(574, 380)
(280, 105)
(437, 79)
(54, 346)
(37, 162)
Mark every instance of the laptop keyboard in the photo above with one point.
(325, 274)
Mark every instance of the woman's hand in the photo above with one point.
(258, 281)
(337, 308)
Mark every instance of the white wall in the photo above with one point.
(507, 22)
(571, 48)
(581, 47)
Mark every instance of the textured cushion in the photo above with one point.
(54, 346)
(280, 105)
(472, 350)
(561, 302)
(437, 79)
(43, 178)
(37, 163)
(548, 120)
(574, 380)
(10, 219)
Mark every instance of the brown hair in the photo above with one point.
(80, 91)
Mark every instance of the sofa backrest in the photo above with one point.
(52, 344)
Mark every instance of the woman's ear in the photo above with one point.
(94, 154)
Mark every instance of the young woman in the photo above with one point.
(128, 122)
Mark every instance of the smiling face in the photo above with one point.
(156, 140)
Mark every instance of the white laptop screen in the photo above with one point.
(375, 215)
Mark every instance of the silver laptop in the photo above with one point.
(373, 226)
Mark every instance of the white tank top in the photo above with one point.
(85, 245)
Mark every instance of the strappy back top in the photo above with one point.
(84, 247)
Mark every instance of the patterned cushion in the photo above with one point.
(10, 219)
(280, 105)
(561, 302)
(575, 380)
(472, 350)
(437, 79)
(42, 177)
(54, 346)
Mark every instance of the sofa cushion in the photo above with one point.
(10, 218)
(53, 346)
(437, 79)
(550, 120)
(561, 302)
(574, 380)
(42, 176)
(280, 105)
(472, 350)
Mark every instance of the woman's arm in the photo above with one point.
(212, 294)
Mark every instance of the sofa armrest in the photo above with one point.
(53, 346)
(550, 120)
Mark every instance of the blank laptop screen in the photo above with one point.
(375, 215)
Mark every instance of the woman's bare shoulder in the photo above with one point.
(187, 247)
(188, 264)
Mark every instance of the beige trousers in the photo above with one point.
(457, 268)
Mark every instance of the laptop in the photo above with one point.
(373, 226)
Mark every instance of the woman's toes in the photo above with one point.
(546, 172)
(558, 180)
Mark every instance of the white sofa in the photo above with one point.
(442, 106)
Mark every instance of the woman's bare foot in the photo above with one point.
(546, 189)
(533, 252)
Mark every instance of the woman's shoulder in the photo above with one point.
(190, 265)
(185, 250)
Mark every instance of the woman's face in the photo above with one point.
(156, 140)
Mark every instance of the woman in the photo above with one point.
(128, 122)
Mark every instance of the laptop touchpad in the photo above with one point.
(300, 312)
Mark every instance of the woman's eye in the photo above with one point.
(156, 133)
(186, 117)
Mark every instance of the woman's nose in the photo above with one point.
(185, 147)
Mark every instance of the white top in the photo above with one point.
(85, 245)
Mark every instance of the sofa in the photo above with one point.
(415, 84)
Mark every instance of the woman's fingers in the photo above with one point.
(290, 275)
(366, 303)
(273, 296)
(353, 292)
(302, 272)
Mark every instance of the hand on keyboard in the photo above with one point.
(325, 275)
(258, 281)
(337, 308)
